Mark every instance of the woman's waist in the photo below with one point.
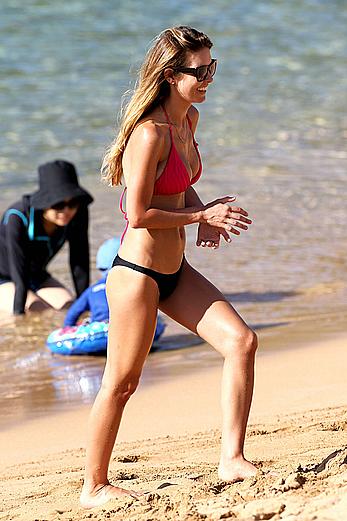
(160, 250)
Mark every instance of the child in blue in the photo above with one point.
(94, 299)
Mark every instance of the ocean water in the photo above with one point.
(273, 131)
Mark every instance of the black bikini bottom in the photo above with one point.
(166, 282)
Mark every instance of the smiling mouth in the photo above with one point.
(202, 89)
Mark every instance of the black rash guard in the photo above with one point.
(26, 249)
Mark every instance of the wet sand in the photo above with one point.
(169, 445)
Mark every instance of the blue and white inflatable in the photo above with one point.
(87, 339)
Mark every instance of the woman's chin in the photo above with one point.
(201, 96)
(62, 222)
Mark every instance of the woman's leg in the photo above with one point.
(133, 303)
(33, 302)
(55, 294)
(200, 307)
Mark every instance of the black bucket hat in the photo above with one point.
(58, 182)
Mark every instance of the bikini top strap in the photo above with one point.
(191, 129)
(170, 124)
(190, 124)
(167, 119)
(121, 203)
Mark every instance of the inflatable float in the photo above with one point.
(87, 338)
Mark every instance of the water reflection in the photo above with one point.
(34, 381)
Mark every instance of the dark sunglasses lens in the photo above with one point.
(73, 203)
(58, 206)
(201, 72)
(212, 68)
(204, 71)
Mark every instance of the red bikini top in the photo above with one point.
(175, 178)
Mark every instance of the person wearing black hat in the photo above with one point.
(32, 231)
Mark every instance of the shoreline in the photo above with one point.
(171, 362)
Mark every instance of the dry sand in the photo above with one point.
(297, 437)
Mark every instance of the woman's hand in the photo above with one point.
(221, 215)
(210, 236)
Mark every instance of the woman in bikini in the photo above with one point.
(157, 155)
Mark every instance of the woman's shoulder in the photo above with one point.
(19, 210)
(22, 204)
(150, 131)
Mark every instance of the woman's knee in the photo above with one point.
(244, 343)
(120, 390)
(63, 304)
(58, 298)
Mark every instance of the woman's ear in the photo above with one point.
(169, 76)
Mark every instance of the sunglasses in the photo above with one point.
(72, 204)
(201, 73)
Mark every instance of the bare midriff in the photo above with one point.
(158, 249)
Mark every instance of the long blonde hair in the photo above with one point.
(169, 50)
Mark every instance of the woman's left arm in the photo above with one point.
(207, 235)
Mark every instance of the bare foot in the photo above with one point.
(103, 493)
(236, 469)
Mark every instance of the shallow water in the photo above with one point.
(272, 131)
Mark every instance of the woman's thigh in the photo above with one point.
(200, 307)
(55, 294)
(133, 302)
(7, 296)
(7, 292)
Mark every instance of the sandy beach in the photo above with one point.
(169, 443)
(273, 133)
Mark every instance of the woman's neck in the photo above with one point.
(177, 111)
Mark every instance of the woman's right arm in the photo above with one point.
(17, 247)
(77, 236)
(144, 152)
